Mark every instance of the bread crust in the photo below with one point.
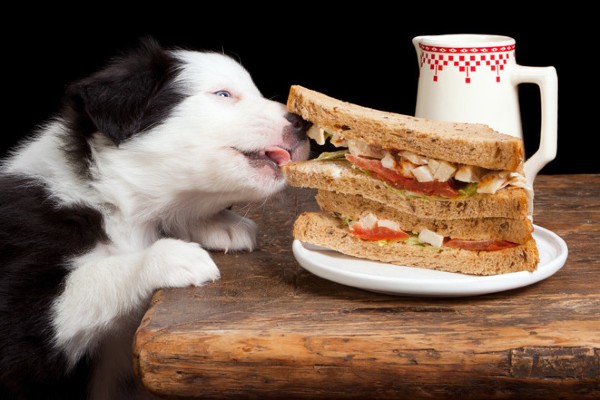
(339, 176)
(355, 206)
(325, 230)
(464, 143)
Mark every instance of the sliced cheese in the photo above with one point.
(492, 182)
(388, 161)
(431, 237)
(422, 174)
(405, 168)
(441, 170)
(316, 133)
(367, 221)
(386, 223)
(469, 173)
(412, 157)
(338, 140)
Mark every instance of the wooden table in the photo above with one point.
(271, 330)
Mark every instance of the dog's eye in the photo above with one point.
(223, 93)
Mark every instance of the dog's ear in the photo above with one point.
(133, 93)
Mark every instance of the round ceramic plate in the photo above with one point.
(401, 280)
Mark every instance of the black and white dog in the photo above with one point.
(119, 195)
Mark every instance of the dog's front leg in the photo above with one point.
(103, 290)
(225, 230)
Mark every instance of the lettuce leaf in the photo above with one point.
(333, 155)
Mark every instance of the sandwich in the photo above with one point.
(411, 191)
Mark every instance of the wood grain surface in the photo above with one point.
(268, 329)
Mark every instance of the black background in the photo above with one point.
(361, 55)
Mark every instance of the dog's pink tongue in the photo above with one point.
(279, 155)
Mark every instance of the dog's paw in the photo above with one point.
(175, 263)
(226, 231)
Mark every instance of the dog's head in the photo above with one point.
(182, 121)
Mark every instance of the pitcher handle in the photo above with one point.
(547, 81)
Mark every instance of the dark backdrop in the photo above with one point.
(363, 56)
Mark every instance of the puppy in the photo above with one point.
(121, 194)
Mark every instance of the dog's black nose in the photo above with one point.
(299, 126)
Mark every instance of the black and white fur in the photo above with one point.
(119, 195)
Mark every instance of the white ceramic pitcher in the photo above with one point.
(475, 78)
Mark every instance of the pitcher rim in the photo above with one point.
(464, 40)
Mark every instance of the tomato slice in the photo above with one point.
(444, 189)
(377, 233)
(480, 245)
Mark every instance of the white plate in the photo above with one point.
(400, 280)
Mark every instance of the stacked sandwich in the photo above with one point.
(415, 192)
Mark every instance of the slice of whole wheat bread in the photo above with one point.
(464, 143)
(355, 206)
(339, 176)
(325, 230)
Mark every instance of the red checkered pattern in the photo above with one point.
(467, 60)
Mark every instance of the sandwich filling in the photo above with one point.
(371, 228)
(419, 174)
